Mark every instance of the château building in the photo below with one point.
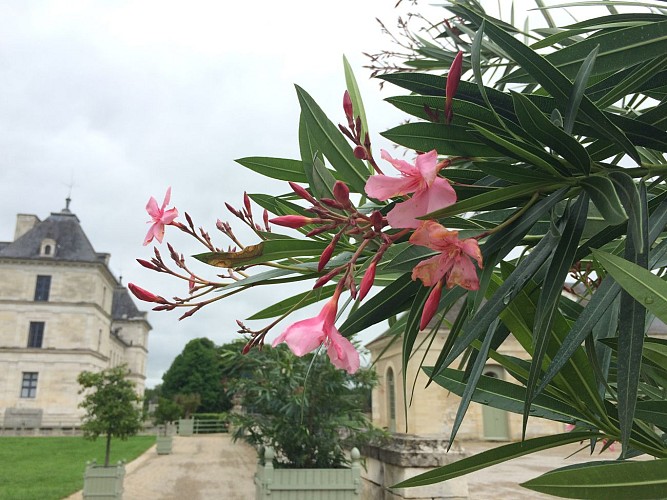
(61, 312)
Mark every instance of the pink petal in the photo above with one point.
(152, 208)
(432, 270)
(471, 248)
(435, 236)
(463, 274)
(440, 195)
(404, 214)
(383, 187)
(303, 336)
(169, 216)
(342, 352)
(155, 231)
(167, 197)
(400, 165)
(426, 164)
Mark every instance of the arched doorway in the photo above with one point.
(495, 421)
(391, 401)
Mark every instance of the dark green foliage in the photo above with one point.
(112, 407)
(197, 370)
(309, 411)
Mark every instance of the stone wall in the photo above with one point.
(404, 456)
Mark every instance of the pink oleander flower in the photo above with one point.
(455, 261)
(159, 217)
(307, 335)
(431, 192)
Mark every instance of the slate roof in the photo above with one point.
(123, 307)
(72, 244)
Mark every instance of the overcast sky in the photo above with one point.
(118, 100)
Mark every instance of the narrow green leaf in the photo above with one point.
(544, 131)
(516, 193)
(606, 200)
(466, 111)
(391, 300)
(453, 140)
(514, 173)
(494, 456)
(610, 480)
(523, 152)
(633, 19)
(471, 384)
(631, 330)
(654, 412)
(633, 81)
(559, 267)
(619, 49)
(355, 96)
(294, 303)
(578, 89)
(629, 196)
(505, 396)
(507, 239)
(646, 288)
(275, 168)
(475, 58)
(331, 142)
(320, 180)
(409, 336)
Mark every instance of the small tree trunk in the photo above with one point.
(108, 451)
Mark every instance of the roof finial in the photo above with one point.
(68, 200)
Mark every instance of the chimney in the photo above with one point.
(24, 223)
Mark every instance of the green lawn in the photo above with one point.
(50, 468)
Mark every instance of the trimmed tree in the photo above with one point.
(197, 370)
(112, 406)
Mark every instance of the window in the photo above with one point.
(36, 334)
(29, 385)
(42, 288)
(48, 248)
(391, 400)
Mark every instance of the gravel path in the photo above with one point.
(199, 468)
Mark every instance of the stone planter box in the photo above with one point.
(103, 483)
(313, 484)
(404, 456)
(164, 445)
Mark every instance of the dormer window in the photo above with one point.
(48, 248)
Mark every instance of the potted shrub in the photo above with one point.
(112, 410)
(303, 415)
(166, 413)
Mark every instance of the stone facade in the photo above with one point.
(61, 312)
(432, 410)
